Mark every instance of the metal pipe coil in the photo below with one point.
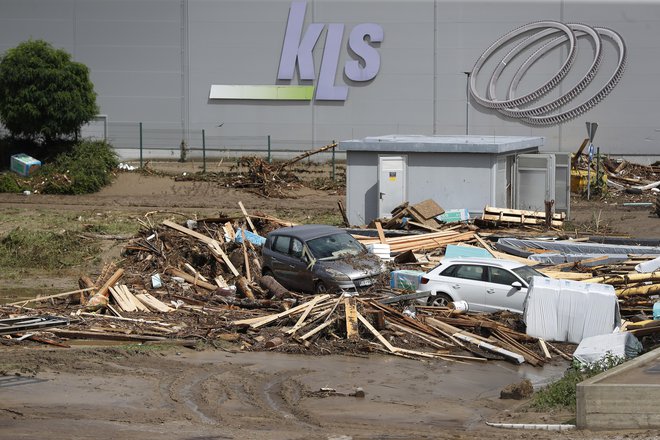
(541, 114)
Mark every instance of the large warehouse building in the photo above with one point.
(309, 72)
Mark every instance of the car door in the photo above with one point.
(500, 295)
(467, 282)
(281, 264)
(302, 273)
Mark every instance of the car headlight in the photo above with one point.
(337, 275)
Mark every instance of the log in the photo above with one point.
(244, 288)
(273, 343)
(276, 289)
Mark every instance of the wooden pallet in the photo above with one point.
(519, 216)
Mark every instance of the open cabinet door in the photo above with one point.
(533, 181)
(563, 183)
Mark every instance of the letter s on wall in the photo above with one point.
(365, 51)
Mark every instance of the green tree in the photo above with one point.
(44, 95)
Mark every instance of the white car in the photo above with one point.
(486, 284)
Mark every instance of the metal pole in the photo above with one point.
(333, 162)
(591, 149)
(269, 160)
(140, 144)
(598, 186)
(467, 103)
(203, 151)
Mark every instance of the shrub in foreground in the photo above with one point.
(562, 394)
(85, 169)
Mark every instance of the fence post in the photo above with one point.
(203, 151)
(333, 162)
(140, 144)
(269, 149)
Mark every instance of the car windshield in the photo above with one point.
(334, 246)
(526, 273)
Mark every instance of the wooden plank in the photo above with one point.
(219, 253)
(381, 234)
(314, 331)
(263, 320)
(350, 308)
(248, 276)
(375, 332)
(194, 272)
(121, 301)
(247, 217)
(204, 238)
(57, 295)
(220, 281)
(485, 245)
(544, 348)
(153, 303)
(229, 230)
(427, 209)
(111, 282)
(301, 320)
(136, 302)
(191, 279)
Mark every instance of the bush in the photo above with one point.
(87, 168)
(44, 95)
(9, 183)
(562, 394)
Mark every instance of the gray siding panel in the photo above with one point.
(150, 63)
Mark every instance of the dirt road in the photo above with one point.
(110, 393)
(185, 394)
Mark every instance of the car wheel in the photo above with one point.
(268, 273)
(440, 300)
(320, 287)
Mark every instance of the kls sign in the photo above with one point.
(298, 50)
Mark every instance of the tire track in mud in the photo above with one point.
(237, 395)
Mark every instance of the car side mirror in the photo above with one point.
(516, 285)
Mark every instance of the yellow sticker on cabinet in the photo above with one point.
(392, 176)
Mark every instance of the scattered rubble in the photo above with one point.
(201, 282)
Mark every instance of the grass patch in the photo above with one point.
(562, 394)
(23, 248)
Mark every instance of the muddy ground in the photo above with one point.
(180, 393)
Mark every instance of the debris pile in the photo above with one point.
(201, 282)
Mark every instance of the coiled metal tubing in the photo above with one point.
(539, 115)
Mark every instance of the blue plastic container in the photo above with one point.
(656, 311)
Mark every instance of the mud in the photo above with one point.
(138, 393)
